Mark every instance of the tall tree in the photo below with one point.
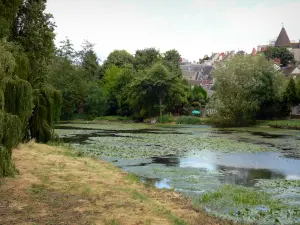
(118, 58)
(291, 95)
(171, 59)
(145, 58)
(66, 49)
(8, 9)
(89, 60)
(33, 29)
(154, 89)
(281, 53)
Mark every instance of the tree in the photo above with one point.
(95, 101)
(171, 60)
(118, 58)
(281, 53)
(153, 89)
(69, 79)
(66, 49)
(28, 107)
(145, 58)
(114, 81)
(243, 85)
(33, 29)
(198, 95)
(89, 61)
(10, 7)
(291, 94)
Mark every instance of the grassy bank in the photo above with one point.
(58, 186)
(247, 205)
(284, 124)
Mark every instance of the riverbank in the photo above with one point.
(56, 185)
(292, 124)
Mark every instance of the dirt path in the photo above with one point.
(57, 187)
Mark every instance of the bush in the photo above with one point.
(165, 119)
(189, 120)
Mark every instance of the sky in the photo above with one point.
(192, 27)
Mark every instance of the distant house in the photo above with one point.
(198, 74)
(229, 55)
(291, 71)
(283, 40)
(221, 56)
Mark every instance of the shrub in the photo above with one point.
(168, 118)
(189, 120)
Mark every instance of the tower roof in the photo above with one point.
(283, 39)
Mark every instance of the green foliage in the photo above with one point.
(197, 97)
(95, 102)
(118, 58)
(151, 90)
(245, 86)
(188, 120)
(146, 58)
(33, 30)
(171, 60)
(11, 132)
(281, 53)
(64, 76)
(6, 166)
(7, 60)
(241, 196)
(115, 80)
(26, 49)
(89, 61)
(18, 99)
(285, 124)
(8, 9)
(46, 112)
(165, 119)
(291, 94)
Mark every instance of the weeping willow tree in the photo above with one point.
(28, 107)
(47, 103)
(18, 100)
(10, 135)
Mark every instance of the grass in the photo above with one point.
(36, 189)
(112, 222)
(168, 118)
(138, 195)
(114, 118)
(239, 195)
(190, 120)
(248, 205)
(132, 178)
(87, 191)
(286, 124)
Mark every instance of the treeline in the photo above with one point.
(29, 106)
(249, 88)
(142, 85)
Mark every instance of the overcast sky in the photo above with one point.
(193, 27)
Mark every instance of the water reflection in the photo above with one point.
(240, 168)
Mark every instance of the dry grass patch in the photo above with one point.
(56, 186)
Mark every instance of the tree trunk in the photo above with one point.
(160, 106)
